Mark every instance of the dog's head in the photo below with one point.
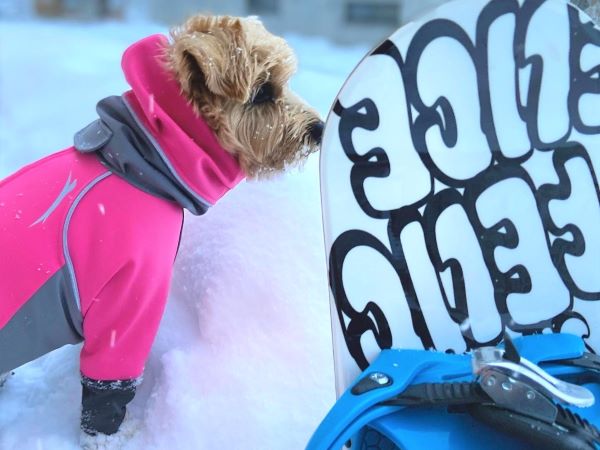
(236, 73)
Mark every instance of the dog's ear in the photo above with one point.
(210, 53)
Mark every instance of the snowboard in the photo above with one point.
(459, 183)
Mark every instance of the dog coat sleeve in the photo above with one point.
(123, 244)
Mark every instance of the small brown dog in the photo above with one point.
(236, 74)
(102, 219)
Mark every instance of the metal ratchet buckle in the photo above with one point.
(514, 374)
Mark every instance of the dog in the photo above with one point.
(89, 234)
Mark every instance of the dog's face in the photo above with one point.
(236, 75)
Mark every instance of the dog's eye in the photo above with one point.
(265, 93)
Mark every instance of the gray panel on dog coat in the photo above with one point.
(46, 322)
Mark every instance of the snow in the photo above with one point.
(243, 356)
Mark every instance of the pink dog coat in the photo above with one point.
(89, 234)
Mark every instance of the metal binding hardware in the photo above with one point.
(490, 359)
(503, 390)
(514, 395)
(586, 361)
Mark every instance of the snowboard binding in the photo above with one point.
(519, 390)
(527, 400)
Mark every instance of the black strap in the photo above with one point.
(590, 362)
(572, 421)
(568, 432)
(439, 394)
(586, 361)
(565, 430)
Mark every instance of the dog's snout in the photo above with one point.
(316, 131)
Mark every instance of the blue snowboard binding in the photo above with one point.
(534, 392)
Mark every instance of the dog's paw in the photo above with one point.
(128, 429)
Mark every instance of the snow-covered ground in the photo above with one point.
(243, 356)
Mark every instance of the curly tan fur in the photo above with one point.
(224, 66)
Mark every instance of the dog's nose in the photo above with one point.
(316, 131)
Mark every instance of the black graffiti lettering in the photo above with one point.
(491, 235)
(547, 88)
(447, 101)
(518, 251)
(370, 319)
(558, 323)
(374, 163)
(560, 207)
(585, 82)
(384, 289)
(501, 116)
(410, 237)
(454, 246)
(381, 163)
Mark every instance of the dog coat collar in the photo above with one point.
(128, 150)
(188, 145)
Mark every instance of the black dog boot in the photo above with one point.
(104, 404)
